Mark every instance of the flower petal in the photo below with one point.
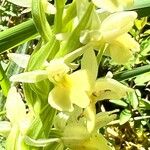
(79, 97)
(79, 80)
(108, 5)
(59, 99)
(113, 5)
(56, 67)
(90, 113)
(15, 107)
(29, 77)
(117, 24)
(128, 42)
(89, 63)
(106, 88)
(20, 59)
(80, 87)
(119, 53)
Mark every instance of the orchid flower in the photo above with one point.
(100, 89)
(114, 31)
(19, 120)
(69, 88)
(113, 5)
(75, 134)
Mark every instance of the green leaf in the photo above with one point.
(47, 51)
(119, 102)
(141, 79)
(132, 97)
(141, 4)
(143, 12)
(5, 128)
(59, 15)
(42, 124)
(17, 35)
(124, 75)
(40, 20)
(70, 14)
(73, 41)
(145, 104)
(125, 116)
(4, 82)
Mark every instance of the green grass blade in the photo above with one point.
(131, 73)
(141, 4)
(17, 35)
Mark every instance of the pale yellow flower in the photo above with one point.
(122, 49)
(100, 89)
(75, 134)
(113, 5)
(117, 24)
(70, 89)
(114, 29)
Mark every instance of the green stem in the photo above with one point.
(101, 52)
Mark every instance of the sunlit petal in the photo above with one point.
(79, 97)
(89, 63)
(117, 24)
(106, 88)
(119, 53)
(20, 59)
(15, 107)
(30, 77)
(59, 99)
(128, 42)
(79, 80)
(90, 113)
(113, 5)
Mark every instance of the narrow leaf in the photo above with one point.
(125, 116)
(124, 75)
(17, 35)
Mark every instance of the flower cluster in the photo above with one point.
(76, 88)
